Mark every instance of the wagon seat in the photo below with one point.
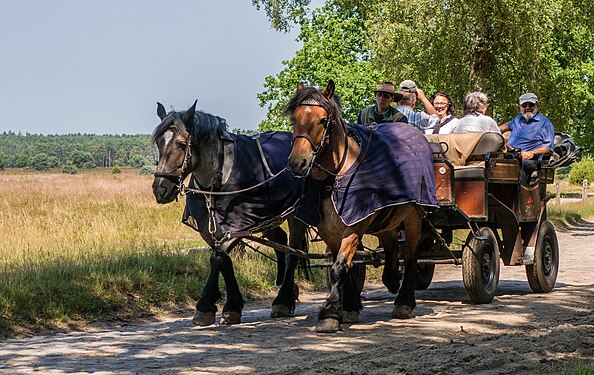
(467, 151)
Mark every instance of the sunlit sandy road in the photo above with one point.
(517, 333)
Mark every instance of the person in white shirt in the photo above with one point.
(475, 120)
(444, 106)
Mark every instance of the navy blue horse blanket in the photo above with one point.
(395, 166)
(247, 210)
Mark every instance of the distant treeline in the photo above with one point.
(42, 152)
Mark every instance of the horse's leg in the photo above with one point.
(280, 236)
(206, 307)
(391, 275)
(284, 303)
(234, 304)
(351, 295)
(330, 316)
(405, 300)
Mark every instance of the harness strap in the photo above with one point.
(264, 161)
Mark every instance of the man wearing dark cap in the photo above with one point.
(531, 132)
(382, 111)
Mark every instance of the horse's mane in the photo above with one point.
(333, 107)
(204, 129)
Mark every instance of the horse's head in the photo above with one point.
(173, 139)
(312, 113)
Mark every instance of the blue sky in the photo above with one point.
(99, 67)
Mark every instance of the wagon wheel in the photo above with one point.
(542, 274)
(480, 266)
(424, 271)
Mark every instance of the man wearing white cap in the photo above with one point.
(419, 119)
(382, 111)
(531, 132)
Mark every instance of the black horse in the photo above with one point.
(239, 188)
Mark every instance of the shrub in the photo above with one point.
(116, 170)
(146, 169)
(69, 168)
(584, 169)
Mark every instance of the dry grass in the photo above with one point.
(96, 245)
(43, 216)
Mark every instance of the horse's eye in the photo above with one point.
(324, 122)
(182, 145)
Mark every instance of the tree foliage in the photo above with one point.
(335, 46)
(282, 13)
(501, 47)
(79, 150)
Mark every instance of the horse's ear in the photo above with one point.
(186, 117)
(299, 87)
(161, 112)
(329, 90)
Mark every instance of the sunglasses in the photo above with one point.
(384, 95)
(528, 105)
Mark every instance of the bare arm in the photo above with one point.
(426, 103)
(504, 127)
(533, 154)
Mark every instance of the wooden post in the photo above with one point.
(558, 187)
(585, 189)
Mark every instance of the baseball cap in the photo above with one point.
(408, 85)
(528, 98)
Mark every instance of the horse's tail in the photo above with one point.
(304, 268)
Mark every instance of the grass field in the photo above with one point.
(96, 246)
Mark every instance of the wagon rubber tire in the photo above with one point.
(424, 271)
(480, 266)
(542, 274)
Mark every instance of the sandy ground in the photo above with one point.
(519, 332)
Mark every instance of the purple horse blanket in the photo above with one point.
(244, 211)
(395, 166)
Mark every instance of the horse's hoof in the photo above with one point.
(231, 317)
(402, 312)
(350, 317)
(328, 325)
(280, 311)
(203, 318)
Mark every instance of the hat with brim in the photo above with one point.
(388, 89)
(528, 98)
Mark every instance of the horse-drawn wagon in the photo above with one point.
(478, 188)
(451, 184)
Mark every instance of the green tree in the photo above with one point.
(501, 47)
(335, 46)
(40, 162)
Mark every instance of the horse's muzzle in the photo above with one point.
(165, 190)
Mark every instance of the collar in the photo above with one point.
(383, 114)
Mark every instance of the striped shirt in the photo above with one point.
(419, 119)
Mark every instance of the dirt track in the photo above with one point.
(519, 332)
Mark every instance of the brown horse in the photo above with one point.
(327, 150)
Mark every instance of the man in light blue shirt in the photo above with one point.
(531, 132)
(419, 119)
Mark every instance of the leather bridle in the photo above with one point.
(328, 127)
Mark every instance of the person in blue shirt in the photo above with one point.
(531, 132)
